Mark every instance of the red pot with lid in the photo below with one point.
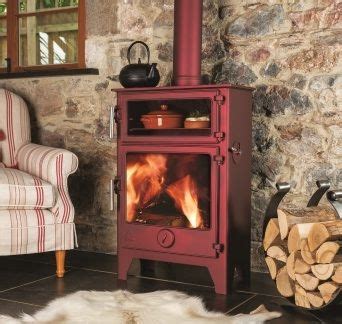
(162, 119)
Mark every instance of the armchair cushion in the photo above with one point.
(19, 190)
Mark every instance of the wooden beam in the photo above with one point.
(31, 35)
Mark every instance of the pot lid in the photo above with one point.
(164, 111)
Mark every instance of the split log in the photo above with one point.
(277, 252)
(315, 298)
(285, 284)
(289, 217)
(326, 252)
(290, 264)
(300, 265)
(272, 234)
(298, 233)
(322, 232)
(337, 277)
(307, 281)
(301, 298)
(323, 271)
(308, 256)
(327, 290)
(273, 266)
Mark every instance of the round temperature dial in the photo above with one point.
(165, 238)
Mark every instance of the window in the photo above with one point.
(41, 34)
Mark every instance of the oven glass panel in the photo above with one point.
(186, 117)
(168, 189)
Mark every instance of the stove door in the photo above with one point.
(169, 200)
(188, 116)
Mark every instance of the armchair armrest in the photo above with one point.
(54, 166)
(46, 163)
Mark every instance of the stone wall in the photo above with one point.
(289, 50)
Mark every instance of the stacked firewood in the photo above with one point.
(304, 255)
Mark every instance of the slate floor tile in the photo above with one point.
(46, 290)
(261, 283)
(76, 258)
(15, 309)
(15, 272)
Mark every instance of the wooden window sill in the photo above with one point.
(48, 73)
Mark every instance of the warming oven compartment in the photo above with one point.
(190, 117)
(169, 195)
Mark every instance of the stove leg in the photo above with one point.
(124, 262)
(220, 279)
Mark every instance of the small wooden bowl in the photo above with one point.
(196, 124)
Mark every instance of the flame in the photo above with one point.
(132, 195)
(185, 196)
(144, 182)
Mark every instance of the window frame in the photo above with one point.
(12, 18)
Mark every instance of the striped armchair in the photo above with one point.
(36, 213)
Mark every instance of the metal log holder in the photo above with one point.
(335, 199)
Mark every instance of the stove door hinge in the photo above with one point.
(219, 159)
(219, 98)
(114, 117)
(218, 247)
(117, 114)
(219, 136)
(115, 187)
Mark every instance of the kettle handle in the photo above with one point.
(130, 47)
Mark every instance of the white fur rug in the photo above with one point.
(123, 307)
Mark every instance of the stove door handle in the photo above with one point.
(111, 122)
(111, 194)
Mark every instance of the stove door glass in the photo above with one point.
(168, 190)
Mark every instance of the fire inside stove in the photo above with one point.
(168, 189)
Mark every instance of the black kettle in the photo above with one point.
(139, 74)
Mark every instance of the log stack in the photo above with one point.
(303, 252)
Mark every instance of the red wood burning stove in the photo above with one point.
(184, 193)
